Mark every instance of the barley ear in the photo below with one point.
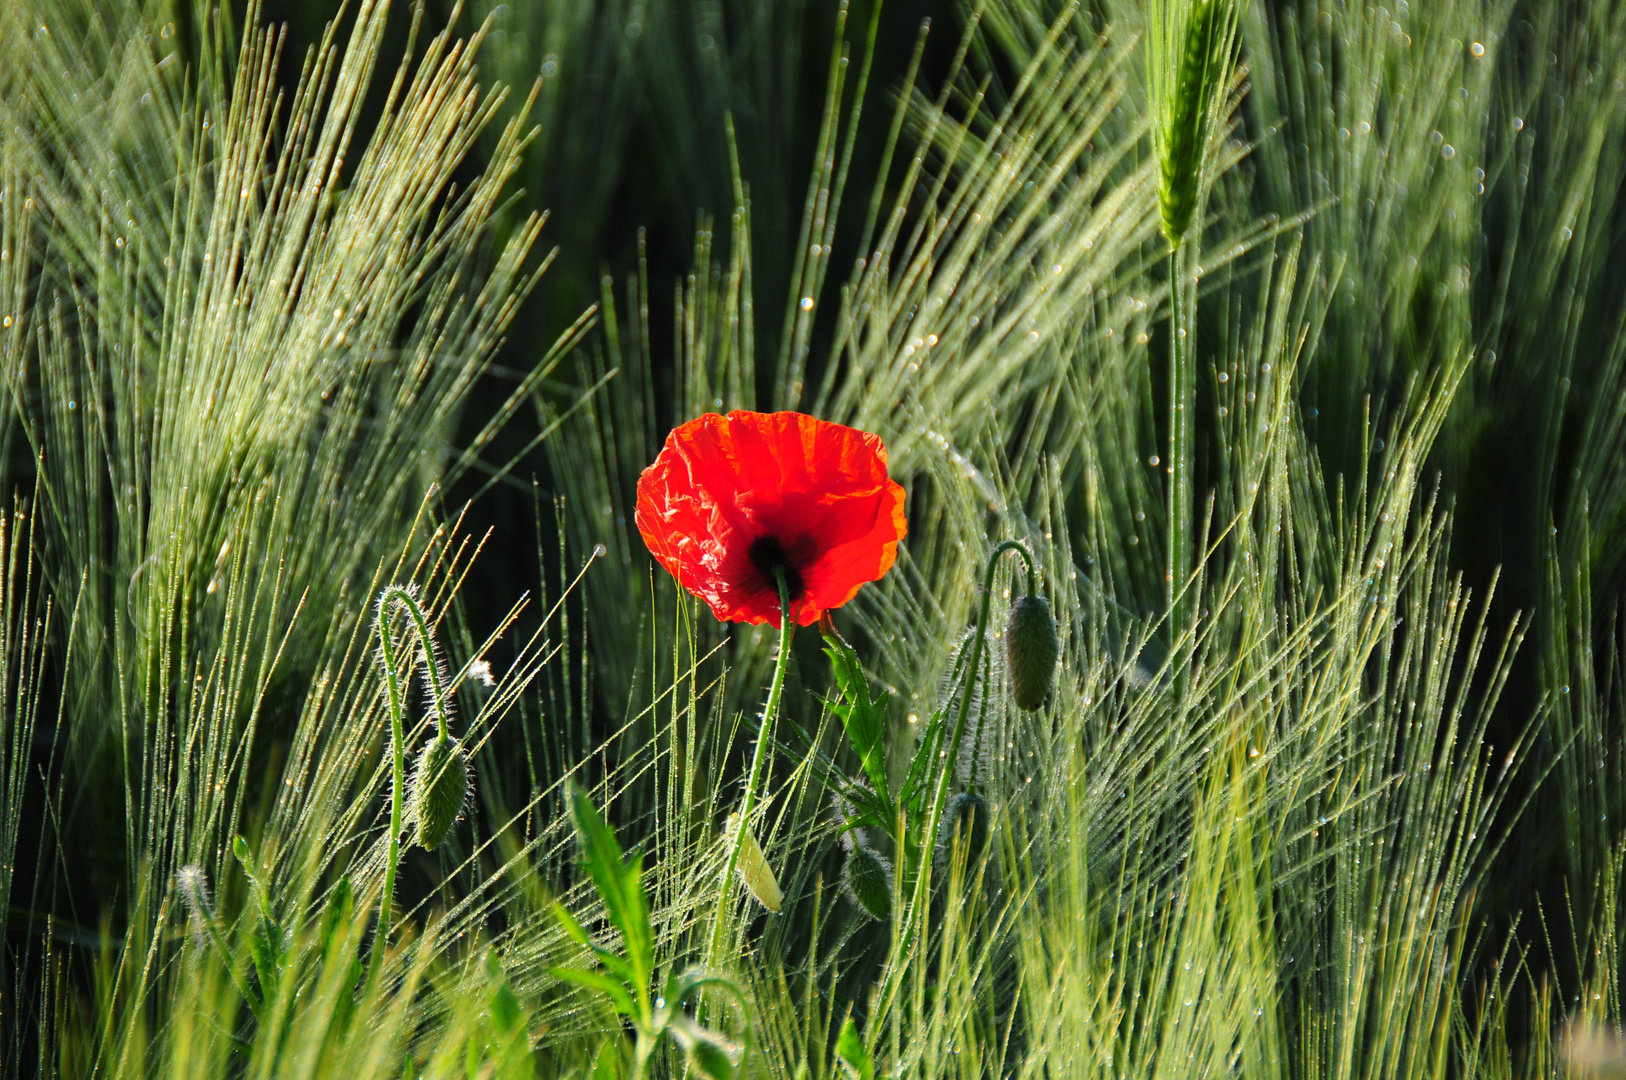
(1190, 60)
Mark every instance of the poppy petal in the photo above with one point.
(819, 491)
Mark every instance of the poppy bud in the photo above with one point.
(439, 790)
(1031, 649)
(966, 815)
(868, 879)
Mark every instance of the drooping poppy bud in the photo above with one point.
(439, 790)
(868, 880)
(965, 816)
(1031, 649)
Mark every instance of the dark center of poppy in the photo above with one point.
(767, 554)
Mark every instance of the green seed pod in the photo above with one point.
(1031, 649)
(868, 880)
(439, 790)
(966, 815)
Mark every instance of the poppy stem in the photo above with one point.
(787, 625)
(395, 594)
(391, 596)
(975, 667)
(397, 783)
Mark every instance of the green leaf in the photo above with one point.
(573, 929)
(922, 769)
(863, 717)
(617, 880)
(266, 950)
(510, 1047)
(340, 906)
(506, 1014)
(607, 985)
(617, 965)
(855, 1060)
(866, 807)
(607, 1062)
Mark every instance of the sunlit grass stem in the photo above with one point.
(1182, 404)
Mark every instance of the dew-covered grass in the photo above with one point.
(309, 328)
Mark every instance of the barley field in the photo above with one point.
(813, 539)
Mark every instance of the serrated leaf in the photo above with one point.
(921, 771)
(863, 717)
(855, 1060)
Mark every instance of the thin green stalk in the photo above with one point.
(397, 786)
(787, 626)
(1182, 406)
(395, 594)
(936, 809)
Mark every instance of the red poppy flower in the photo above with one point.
(730, 498)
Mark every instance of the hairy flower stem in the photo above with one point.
(972, 669)
(1182, 406)
(397, 785)
(787, 626)
(395, 594)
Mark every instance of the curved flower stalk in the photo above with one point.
(440, 782)
(978, 644)
(948, 751)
